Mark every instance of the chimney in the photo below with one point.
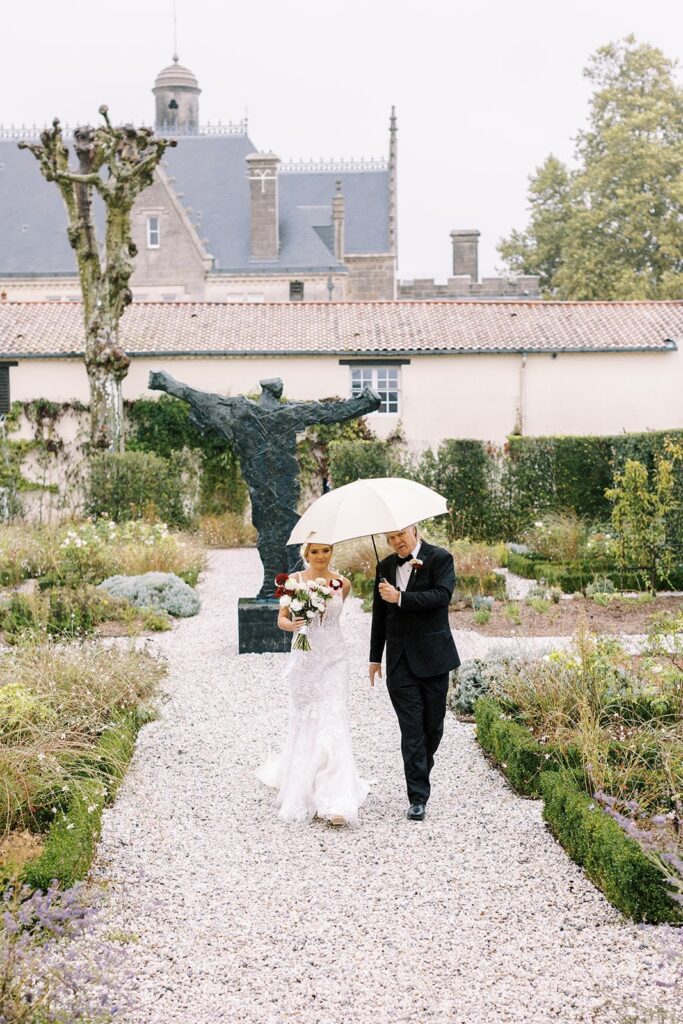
(338, 223)
(265, 235)
(465, 253)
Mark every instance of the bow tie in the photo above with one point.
(406, 558)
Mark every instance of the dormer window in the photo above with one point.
(153, 232)
(296, 291)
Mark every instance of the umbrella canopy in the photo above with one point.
(381, 505)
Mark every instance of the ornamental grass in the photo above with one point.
(56, 702)
(229, 530)
(89, 552)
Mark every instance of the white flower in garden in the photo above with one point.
(285, 600)
(538, 523)
(296, 605)
(70, 826)
(290, 584)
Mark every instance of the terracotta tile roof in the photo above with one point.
(338, 328)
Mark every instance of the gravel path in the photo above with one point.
(475, 916)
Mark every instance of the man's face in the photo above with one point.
(403, 541)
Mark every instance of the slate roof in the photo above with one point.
(338, 328)
(211, 173)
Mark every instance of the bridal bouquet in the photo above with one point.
(305, 599)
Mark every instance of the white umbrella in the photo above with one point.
(381, 505)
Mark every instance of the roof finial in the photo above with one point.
(175, 33)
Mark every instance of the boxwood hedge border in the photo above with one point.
(613, 861)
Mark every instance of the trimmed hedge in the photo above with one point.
(513, 747)
(613, 861)
(498, 492)
(68, 852)
(572, 578)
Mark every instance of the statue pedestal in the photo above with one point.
(258, 629)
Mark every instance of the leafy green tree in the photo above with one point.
(538, 250)
(641, 508)
(612, 228)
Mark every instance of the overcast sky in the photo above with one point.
(484, 90)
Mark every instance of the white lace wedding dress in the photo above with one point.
(316, 773)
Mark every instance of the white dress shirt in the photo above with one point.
(403, 571)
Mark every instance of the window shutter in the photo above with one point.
(4, 390)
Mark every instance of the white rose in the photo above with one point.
(326, 590)
(321, 581)
(296, 605)
(285, 600)
(290, 584)
(312, 585)
(310, 614)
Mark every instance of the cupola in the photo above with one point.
(177, 100)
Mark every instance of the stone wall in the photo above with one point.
(464, 287)
(370, 277)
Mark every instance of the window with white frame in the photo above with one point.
(153, 232)
(382, 379)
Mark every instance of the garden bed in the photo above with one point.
(70, 715)
(618, 615)
(613, 861)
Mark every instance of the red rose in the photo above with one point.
(281, 579)
(279, 591)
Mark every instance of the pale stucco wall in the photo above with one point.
(441, 396)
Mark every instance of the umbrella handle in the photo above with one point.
(372, 537)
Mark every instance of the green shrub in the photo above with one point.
(161, 426)
(611, 859)
(354, 460)
(513, 747)
(136, 485)
(482, 616)
(63, 613)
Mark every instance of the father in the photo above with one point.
(413, 589)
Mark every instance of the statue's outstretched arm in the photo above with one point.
(344, 409)
(159, 380)
(207, 411)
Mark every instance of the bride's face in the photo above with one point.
(319, 556)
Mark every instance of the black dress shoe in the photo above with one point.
(416, 812)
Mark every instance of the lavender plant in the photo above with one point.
(44, 978)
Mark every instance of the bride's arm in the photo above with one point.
(346, 586)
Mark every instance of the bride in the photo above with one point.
(316, 773)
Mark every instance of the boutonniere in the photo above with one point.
(416, 563)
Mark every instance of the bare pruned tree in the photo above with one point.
(116, 163)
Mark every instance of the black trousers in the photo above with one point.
(420, 706)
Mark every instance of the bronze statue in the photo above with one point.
(263, 434)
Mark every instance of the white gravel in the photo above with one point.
(475, 916)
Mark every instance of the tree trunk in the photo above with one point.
(130, 156)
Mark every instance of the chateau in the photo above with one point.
(222, 221)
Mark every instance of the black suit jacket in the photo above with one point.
(420, 626)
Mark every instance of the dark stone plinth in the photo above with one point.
(258, 629)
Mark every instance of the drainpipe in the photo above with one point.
(522, 394)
